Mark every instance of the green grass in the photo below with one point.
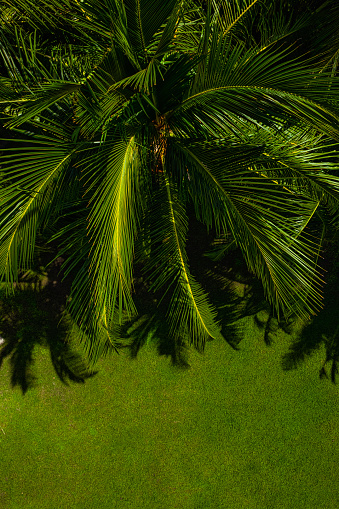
(234, 431)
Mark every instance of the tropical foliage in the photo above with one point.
(124, 120)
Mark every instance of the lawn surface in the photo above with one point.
(233, 432)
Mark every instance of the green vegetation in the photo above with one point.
(141, 136)
(168, 179)
(234, 431)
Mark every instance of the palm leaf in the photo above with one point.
(189, 310)
(265, 86)
(101, 292)
(25, 195)
(50, 94)
(229, 14)
(144, 19)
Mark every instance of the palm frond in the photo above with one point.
(144, 18)
(266, 86)
(189, 311)
(29, 178)
(229, 14)
(102, 288)
(42, 100)
(128, 104)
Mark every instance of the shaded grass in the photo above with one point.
(234, 431)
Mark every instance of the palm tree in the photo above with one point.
(133, 116)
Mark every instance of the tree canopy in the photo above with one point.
(122, 120)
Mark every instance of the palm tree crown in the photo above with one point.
(127, 114)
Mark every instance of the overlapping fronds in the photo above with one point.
(125, 117)
(103, 281)
(261, 85)
(42, 100)
(267, 206)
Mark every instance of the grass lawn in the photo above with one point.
(234, 431)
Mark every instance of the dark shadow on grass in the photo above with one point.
(32, 316)
(231, 289)
(323, 329)
(151, 325)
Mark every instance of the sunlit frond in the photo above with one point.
(125, 117)
(168, 268)
(102, 288)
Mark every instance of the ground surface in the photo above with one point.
(234, 431)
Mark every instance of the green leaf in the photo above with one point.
(102, 288)
(29, 179)
(189, 310)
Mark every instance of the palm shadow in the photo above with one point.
(306, 336)
(32, 316)
(321, 331)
